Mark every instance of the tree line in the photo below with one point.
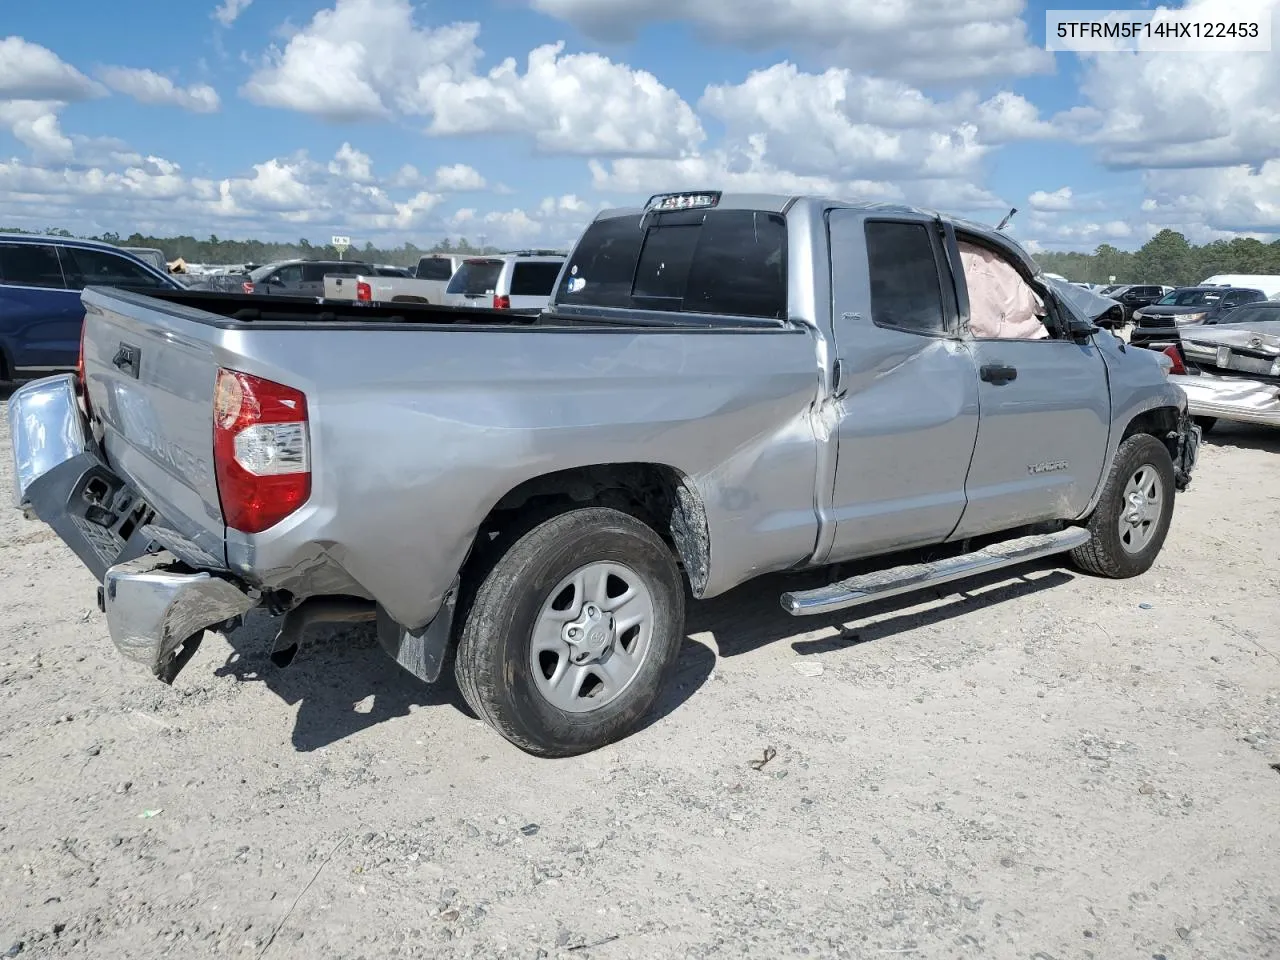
(217, 250)
(1166, 258)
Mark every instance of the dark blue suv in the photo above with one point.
(40, 310)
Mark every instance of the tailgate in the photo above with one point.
(150, 374)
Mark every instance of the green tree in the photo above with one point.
(1166, 258)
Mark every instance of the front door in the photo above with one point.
(1042, 439)
(908, 418)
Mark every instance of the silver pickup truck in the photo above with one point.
(722, 387)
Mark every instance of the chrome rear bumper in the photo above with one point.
(157, 613)
(1231, 398)
(157, 608)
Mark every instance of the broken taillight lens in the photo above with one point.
(261, 450)
(247, 286)
(1174, 354)
(501, 302)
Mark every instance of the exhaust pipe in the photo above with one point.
(313, 611)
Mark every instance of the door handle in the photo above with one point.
(998, 373)
(126, 359)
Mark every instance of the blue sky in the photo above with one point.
(289, 118)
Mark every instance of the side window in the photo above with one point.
(88, 268)
(290, 274)
(1002, 303)
(314, 272)
(906, 293)
(30, 265)
(534, 279)
(434, 268)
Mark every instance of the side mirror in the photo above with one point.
(1081, 330)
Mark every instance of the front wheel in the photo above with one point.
(1131, 520)
(572, 633)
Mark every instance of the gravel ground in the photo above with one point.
(1045, 766)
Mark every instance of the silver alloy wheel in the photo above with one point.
(591, 637)
(1140, 513)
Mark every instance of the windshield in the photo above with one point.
(475, 278)
(1253, 313)
(257, 276)
(1192, 298)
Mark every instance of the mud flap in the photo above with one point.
(421, 652)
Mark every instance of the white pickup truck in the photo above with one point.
(427, 285)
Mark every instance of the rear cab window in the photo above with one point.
(30, 265)
(434, 268)
(715, 262)
(534, 278)
(476, 278)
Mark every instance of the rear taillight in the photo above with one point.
(247, 286)
(1173, 354)
(261, 450)
(501, 302)
(81, 382)
(364, 292)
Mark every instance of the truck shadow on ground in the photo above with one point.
(343, 683)
(1244, 436)
(750, 617)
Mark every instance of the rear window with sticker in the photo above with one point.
(718, 262)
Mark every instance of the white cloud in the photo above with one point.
(352, 164)
(153, 89)
(229, 11)
(362, 60)
(29, 71)
(369, 60)
(1231, 199)
(916, 39)
(458, 178)
(1058, 200)
(34, 123)
(841, 127)
(573, 104)
(1182, 110)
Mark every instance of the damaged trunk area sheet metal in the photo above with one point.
(1239, 376)
(1252, 350)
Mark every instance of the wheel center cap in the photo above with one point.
(589, 636)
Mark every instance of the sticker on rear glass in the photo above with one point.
(576, 284)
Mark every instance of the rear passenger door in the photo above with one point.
(908, 407)
(532, 282)
(40, 318)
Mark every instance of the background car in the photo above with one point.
(40, 310)
(1159, 322)
(505, 282)
(300, 278)
(1134, 296)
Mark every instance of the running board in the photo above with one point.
(916, 576)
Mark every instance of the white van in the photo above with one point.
(1268, 284)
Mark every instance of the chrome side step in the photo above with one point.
(916, 576)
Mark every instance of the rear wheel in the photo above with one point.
(1131, 520)
(572, 632)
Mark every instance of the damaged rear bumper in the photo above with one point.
(157, 611)
(157, 608)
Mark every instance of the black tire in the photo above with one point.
(492, 662)
(1105, 555)
(1206, 424)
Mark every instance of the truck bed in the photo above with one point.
(229, 310)
(421, 418)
